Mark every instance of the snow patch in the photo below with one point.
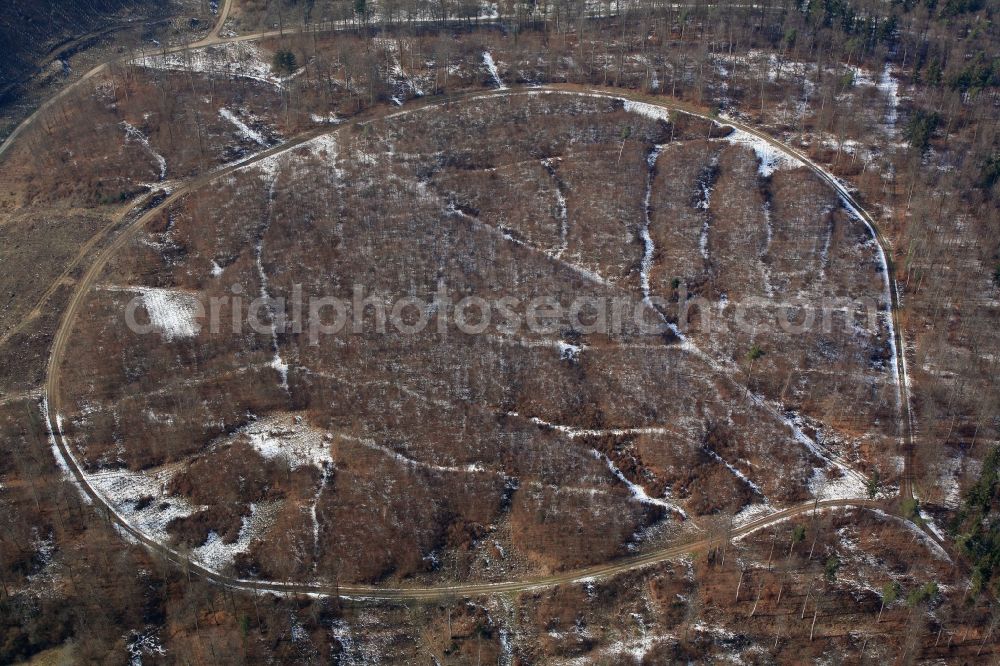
(171, 312)
(889, 87)
(141, 644)
(330, 119)
(649, 248)
(650, 111)
(140, 498)
(492, 67)
(216, 555)
(770, 158)
(288, 438)
(639, 493)
(244, 129)
(132, 133)
(732, 470)
(57, 452)
(845, 486)
(924, 538)
(569, 352)
(231, 60)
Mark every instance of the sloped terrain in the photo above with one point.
(440, 451)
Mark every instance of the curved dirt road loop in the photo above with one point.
(370, 592)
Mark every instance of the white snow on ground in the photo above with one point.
(139, 499)
(562, 211)
(506, 657)
(391, 47)
(647, 240)
(639, 493)
(573, 432)
(569, 352)
(769, 236)
(235, 59)
(330, 119)
(715, 630)
(277, 362)
(217, 270)
(57, 454)
(368, 643)
(770, 158)
(123, 489)
(313, 514)
(889, 87)
(244, 129)
(773, 158)
(846, 486)
(862, 77)
(288, 438)
(636, 648)
(922, 536)
(651, 111)
(948, 481)
(145, 643)
(705, 204)
(471, 468)
(268, 167)
(732, 470)
(47, 577)
(751, 512)
(326, 144)
(687, 345)
(931, 525)
(132, 133)
(492, 67)
(563, 224)
(216, 555)
(171, 312)
(897, 357)
(341, 632)
(593, 276)
(851, 484)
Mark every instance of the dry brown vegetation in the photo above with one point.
(432, 451)
(544, 501)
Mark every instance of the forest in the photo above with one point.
(898, 100)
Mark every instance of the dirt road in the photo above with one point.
(208, 40)
(89, 279)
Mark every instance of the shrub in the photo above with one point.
(926, 592)
(977, 525)
(284, 62)
(911, 509)
(920, 128)
(831, 568)
(873, 485)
